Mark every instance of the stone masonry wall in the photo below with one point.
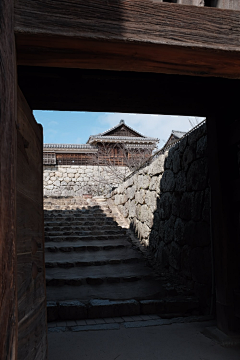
(168, 205)
(77, 180)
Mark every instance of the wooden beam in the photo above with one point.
(8, 273)
(130, 92)
(128, 35)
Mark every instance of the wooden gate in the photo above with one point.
(32, 331)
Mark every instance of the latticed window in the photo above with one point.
(75, 159)
(49, 158)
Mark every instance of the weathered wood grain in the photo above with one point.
(8, 293)
(32, 334)
(135, 35)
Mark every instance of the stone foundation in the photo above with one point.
(77, 180)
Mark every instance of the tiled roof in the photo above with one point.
(122, 122)
(122, 138)
(178, 134)
(69, 147)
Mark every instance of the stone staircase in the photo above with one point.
(93, 267)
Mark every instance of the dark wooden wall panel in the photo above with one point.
(32, 332)
(8, 293)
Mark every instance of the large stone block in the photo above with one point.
(131, 192)
(182, 144)
(168, 159)
(169, 230)
(188, 157)
(144, 231)
(61, 169)
(197, 205)
(71, 170)
(181, 182)
(186, 205)
(176, 201)
(56, 183)
(49, 187)
(165, 205)
(168, 181)
(197, 175)
(132, 209)
(151, 200)
(157, 167)
(145, 215)
(176, 161)
(140, 197)
(179, 231)
(129, 182)
(143, 182)
(196, 134)
(155, 183)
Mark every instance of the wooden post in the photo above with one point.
(32, 319)
(224, 214)
(8, 298)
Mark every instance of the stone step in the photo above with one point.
(96, 275)
(101, 257)
(84, 221)
(101, 308)
(76, 213)
(84, 238)
(140, 290)
(93, 245)
(80, 219)
(85, 233)
(82, 228)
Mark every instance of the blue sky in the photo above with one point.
(76, 127)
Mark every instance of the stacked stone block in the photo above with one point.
(77, 180)
(168, 206)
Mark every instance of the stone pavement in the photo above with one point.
(137, 338)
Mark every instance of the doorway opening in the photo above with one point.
(86, 229)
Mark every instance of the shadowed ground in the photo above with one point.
(173, 342)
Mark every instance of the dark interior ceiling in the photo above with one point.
(47, 88)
